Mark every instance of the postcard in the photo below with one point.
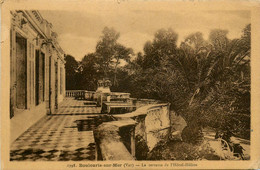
(124, 84)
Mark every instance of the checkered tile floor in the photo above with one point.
(57, 138)
(71, 106)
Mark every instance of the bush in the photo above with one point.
(177, 150)
(192, 134)
(141, 148)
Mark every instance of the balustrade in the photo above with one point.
(151, 122)
(75, 93)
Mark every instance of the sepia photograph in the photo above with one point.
(129, 84)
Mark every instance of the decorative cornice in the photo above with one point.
(31, 22)
(37, 16)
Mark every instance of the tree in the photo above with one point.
(90, 73)
(71, 67)
(207, 82)
(121, 53)
(163, 46)
(110, 53)
(217, 96)
(105, 49)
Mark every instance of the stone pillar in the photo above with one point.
(132, 132)
(13, 82)
(30, 73)
(21, 73)
(47, 77)
(59, 82)
(52, 81)
(56, 84)
(64, 80)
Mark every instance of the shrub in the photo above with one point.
(177, 150)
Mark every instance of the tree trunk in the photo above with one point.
(115, 78)
(192, 133)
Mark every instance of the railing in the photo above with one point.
(74, 93)
(91, 95)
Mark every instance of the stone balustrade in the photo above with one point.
(77, 94)
(153, 122)
(111, 145)
(149, 123)
(93, 95)
(73, 93)
(116, 139)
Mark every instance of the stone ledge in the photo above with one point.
(139, 112)
(109, 141)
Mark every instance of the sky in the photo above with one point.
(79, 31)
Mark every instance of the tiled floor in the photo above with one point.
(75, 107)
(56, 137)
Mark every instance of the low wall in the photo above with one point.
(114, 96)
(153, 123)
(110, 145)
(144, 102)
(149, 124)
(73, 93)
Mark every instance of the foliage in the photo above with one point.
(177, 150)
(163, 46)
(71, 67)
(206, 81)
(88, 72)
(192, 134)
(110, 53)
(141, 148)
(104, 63)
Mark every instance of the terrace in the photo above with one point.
(81, 130)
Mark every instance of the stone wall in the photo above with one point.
(153, 123)
(112, 146)
(146, 126)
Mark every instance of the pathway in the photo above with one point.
(56, 137)
(210, 136)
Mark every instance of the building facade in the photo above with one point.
(37, 70)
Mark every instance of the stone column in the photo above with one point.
(13, 81)
(59, 82)
(132, 133)
(47, 77)
(64, 80)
